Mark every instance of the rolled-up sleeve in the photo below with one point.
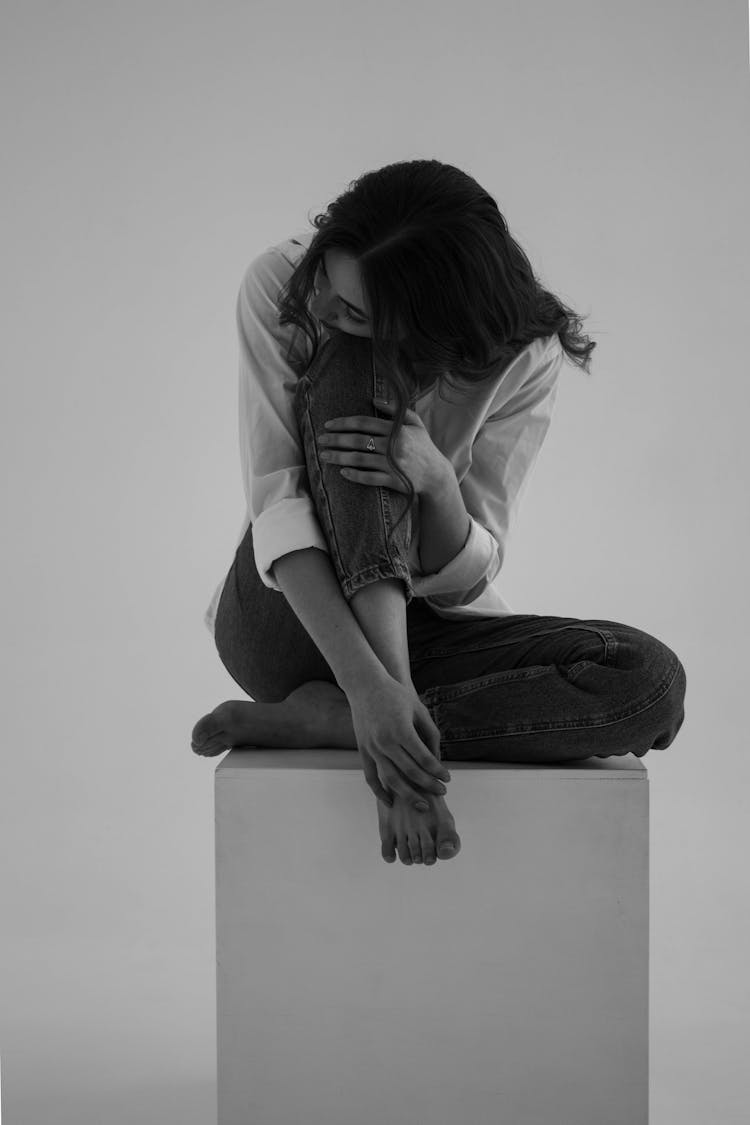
(503, 456)
(274, 472)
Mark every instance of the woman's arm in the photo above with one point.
(308, 582)
(444, 523)
(272, 457)
(397, 739)
(503, 455)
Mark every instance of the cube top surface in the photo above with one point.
(238, 762)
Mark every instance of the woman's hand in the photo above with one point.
(398, 742)
(344, 443)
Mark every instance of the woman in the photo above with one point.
(385, 448)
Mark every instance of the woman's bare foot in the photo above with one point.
(316, 714)
(416, 836)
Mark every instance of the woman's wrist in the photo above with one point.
(441, 475)
(444, 523)
(359, 679)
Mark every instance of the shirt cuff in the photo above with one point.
(288, 525)
(467, 574)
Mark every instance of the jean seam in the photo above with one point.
(376, 573)
(321, 490)
(610, 646)
(609, 639)
(350, 583)
(398, 563)
(437, 696)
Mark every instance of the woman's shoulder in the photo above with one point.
(515, 369)
(266, 273)
(278, 258)
(532, 372)
(534, 352)
(529, 359)
(518, 381)
(295, 247)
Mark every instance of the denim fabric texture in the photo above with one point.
(519, 688)
(339, 383)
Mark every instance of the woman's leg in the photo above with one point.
(356, 518)
(373, 572)
(260, 640)
(526, 688)
(519, 688)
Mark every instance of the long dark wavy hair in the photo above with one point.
(447, 286)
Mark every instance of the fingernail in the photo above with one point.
(422, 807)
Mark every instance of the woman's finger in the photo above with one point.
(372, 779)
(422, 761)
(398, 785)
(409, 416)
(424, 778)
(365, 423)
(359, 476)
(428, 730)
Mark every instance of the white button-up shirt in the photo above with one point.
(492, 437)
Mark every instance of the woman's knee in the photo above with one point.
(636, 649)
(672, 706)
(269, 658)
(664, 677)
(340, 356)
(266, 679)
(339, 381)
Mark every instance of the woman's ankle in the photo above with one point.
(322, 710)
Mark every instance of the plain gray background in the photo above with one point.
(151, 150)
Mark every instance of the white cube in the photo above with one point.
(506, 986)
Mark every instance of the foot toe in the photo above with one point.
(428, 848)
(212, 751)
(209, 747)
(205, 729)
(388, 851)
(448, 845)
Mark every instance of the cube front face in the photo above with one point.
(509, 984)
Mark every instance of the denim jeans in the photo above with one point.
(521, 688)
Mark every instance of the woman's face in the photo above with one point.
(338, 299)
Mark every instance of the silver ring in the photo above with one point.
(371, 445)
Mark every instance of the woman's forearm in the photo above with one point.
(444, 523)
(309, 584)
